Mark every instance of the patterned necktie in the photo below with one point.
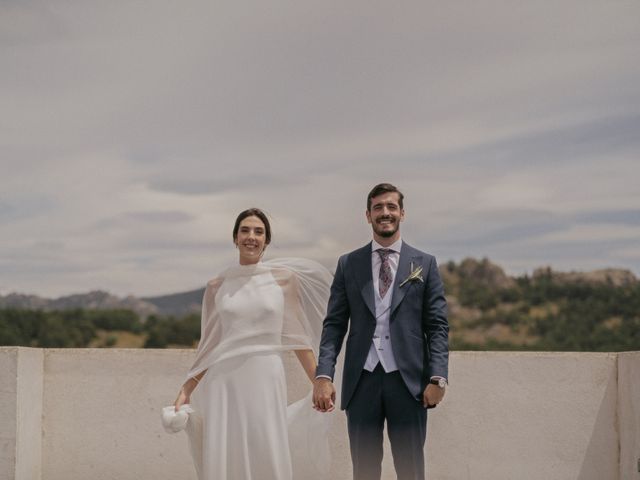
(384, 278)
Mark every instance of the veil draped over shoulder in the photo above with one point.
(296, 292)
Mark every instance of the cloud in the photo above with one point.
(208, 183)
(132, 134)
(130, 219)
(620, 217)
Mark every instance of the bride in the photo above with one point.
(240, 427)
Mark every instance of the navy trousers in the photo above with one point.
(382, 396)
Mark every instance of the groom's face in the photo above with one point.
(385, 214)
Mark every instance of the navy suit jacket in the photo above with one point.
(418, 321)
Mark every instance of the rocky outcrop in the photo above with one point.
(614, 276)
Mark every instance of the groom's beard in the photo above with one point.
(386, 233)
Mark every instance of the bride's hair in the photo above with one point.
(253, 212)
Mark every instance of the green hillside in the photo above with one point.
(488, 310)
(594, 311)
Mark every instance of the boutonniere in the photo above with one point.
(413, 276)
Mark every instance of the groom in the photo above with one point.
(390, 297)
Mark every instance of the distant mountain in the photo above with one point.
(96, 300)
(464, 282)
(178, 304)
(613, 276)
(489, 275)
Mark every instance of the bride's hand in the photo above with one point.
(185, 393)
(182, 399)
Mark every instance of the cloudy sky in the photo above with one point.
(132, 133)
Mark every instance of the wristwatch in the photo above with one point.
(441, 382)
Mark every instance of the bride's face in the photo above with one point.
(251, 240)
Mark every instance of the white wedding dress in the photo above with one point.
(242, 428)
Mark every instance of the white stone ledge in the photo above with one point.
(72, 414)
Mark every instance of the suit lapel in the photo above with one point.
(404, 269)
(365, 278)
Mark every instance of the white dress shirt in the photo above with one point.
(381, 350)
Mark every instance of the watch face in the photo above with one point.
(442, 383)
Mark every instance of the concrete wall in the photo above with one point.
(506, 415)
(102, 414)
(629, 414)
(527, 416)
(8, 411)
(20, 413)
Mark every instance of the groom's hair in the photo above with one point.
(253, 212)
(383, 188)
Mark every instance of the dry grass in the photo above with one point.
(123, 339)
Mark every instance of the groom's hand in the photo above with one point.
(432, 395)
(324, 395)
